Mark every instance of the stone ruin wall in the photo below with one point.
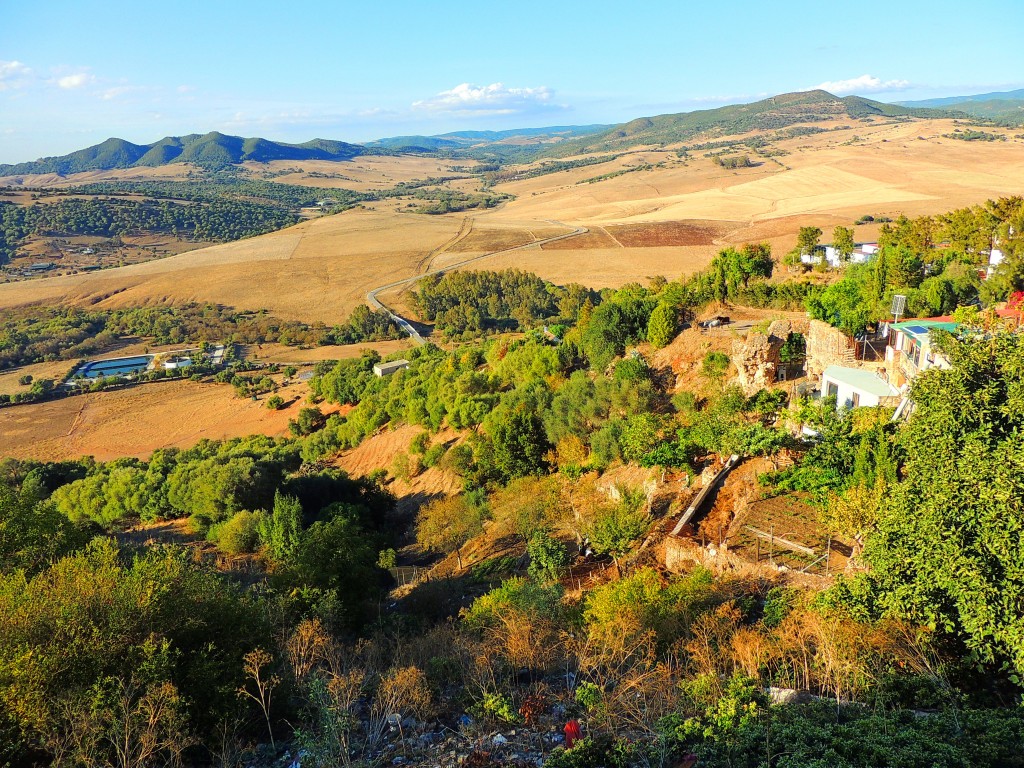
(827, 346)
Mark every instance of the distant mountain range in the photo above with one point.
(212, 151)
(1001, 106)
(215, 151)
(463, 139)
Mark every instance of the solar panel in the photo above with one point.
(917, 329)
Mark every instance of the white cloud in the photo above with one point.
(493, 99)
(77, 80)
(120, 90)
(13, 74)
(862, 84)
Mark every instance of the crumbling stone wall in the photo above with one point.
(827, 346)
(757, 357)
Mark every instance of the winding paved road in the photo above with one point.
(406, 326)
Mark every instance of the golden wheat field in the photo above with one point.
(641, 222)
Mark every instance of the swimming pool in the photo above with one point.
(120, 366)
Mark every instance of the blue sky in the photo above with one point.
(73, 73)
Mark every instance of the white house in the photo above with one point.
(854, 387)
(386, 369)
(862, 252)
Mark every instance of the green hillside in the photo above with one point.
(768, 114)
(211, 151)
(468, 139)
(1001, 106)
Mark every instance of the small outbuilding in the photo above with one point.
(855, 387)
(386, 369)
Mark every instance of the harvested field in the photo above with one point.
(596, 238)
(605, 267)
(317, 270)
(667, 233)
(138, 420)
(483, 240)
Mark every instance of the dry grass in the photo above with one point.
(56, 370)
(318, 270)
(162, 173)
(285, 355)
(362, 174)
(671, 218)
(379, 451)
(607, 267)
(136, 421)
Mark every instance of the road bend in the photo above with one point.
(406, 326)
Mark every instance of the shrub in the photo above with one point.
(387, 558)
(588, 695)
(310, 420)
(548, 556)
(275, 402)
(419, 443)
(715, 365)
(500, 707)
(434, 455)
(238, 535)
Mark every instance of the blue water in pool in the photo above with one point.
(118, 367)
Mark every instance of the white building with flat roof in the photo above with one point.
(856, 387)
(386, 369)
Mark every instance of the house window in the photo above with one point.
(832, 390)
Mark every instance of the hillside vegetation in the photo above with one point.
(917, 657)
(1004, 107)
(211, 151)
(769, 114)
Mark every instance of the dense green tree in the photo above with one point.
(98, 619)
(842, 241)
(548, 556)
(663, 326)
(807, 239)
(946, 552)
(309, 421)
(33, 532)
(280, 531)
(520, 444)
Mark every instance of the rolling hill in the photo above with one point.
(211, 151)
(465, 139)
(774, 113)
(216, 150)
(1001, 106)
